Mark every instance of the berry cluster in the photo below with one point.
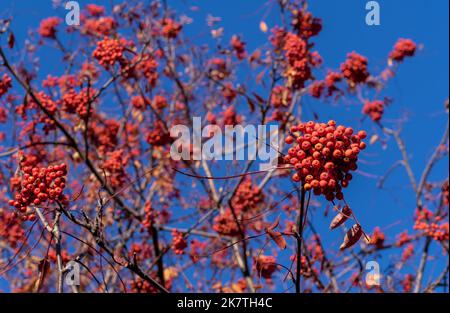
(104, 134)
(48, 26)
(296, 53)
(179, 243)
(354, 69)
(230, 117)
(402, 48)
(159, 102)
(248, 197)
(374, 109)
(170, 28)
(114, 166)
(10, 228)
(431, 225)
(74, 102)
(149, 69)
(228, 92)
(158, 136)
(138, 102)
(40, 184)
(109, 51)
(5, 84)
(327, 87)
(305, 24)
(225, 225)
(103, 26)
(323, 155)
(377, 239)
(280, 97)
(408, 252)
(407, 282)
(238, 47)
(95, 10)
(149, 217)
(265, 266)
(403, 239)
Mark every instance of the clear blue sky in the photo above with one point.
(418, 90)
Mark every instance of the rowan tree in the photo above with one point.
(87, 178)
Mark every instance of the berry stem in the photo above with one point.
(300, 238)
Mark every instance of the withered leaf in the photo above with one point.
(352, 237)
(341, 217)
(11, 40)
(278, 238)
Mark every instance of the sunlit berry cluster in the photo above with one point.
(103, 134)
(114, 167)
(377, 239)
(432, 226)
(158, 136)
(149, 217)
(170, 28)
(149, 69)
(408, 252)
(238, 47)
(230, 117)
(323, 156)
(109, 51)
(159, 102)
(138, 102)
(179, 243)
(374, 109)
(102, 26)
(78, 103)
(248, 197)
(39, 185)
(51, 107)
(354, 69)
(48, 26)
(228, 92)
(280, 97)
(296, 52)
(10, 227)
(95, 10)
(225, 224)
(5, 84)
(403, 48)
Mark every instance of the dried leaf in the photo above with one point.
(259, 98)
(251, 104)
(263, 26)
(278, 238)
(352, 237)
(373, 139)
(11, 40)
(341, 217)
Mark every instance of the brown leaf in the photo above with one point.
(259, 98)
(352, 237)
(251, 104)
(11, 40)
(263, 26)
(341, 217)
(278, 238)
(373, 139)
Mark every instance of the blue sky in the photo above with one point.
(418, 90)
